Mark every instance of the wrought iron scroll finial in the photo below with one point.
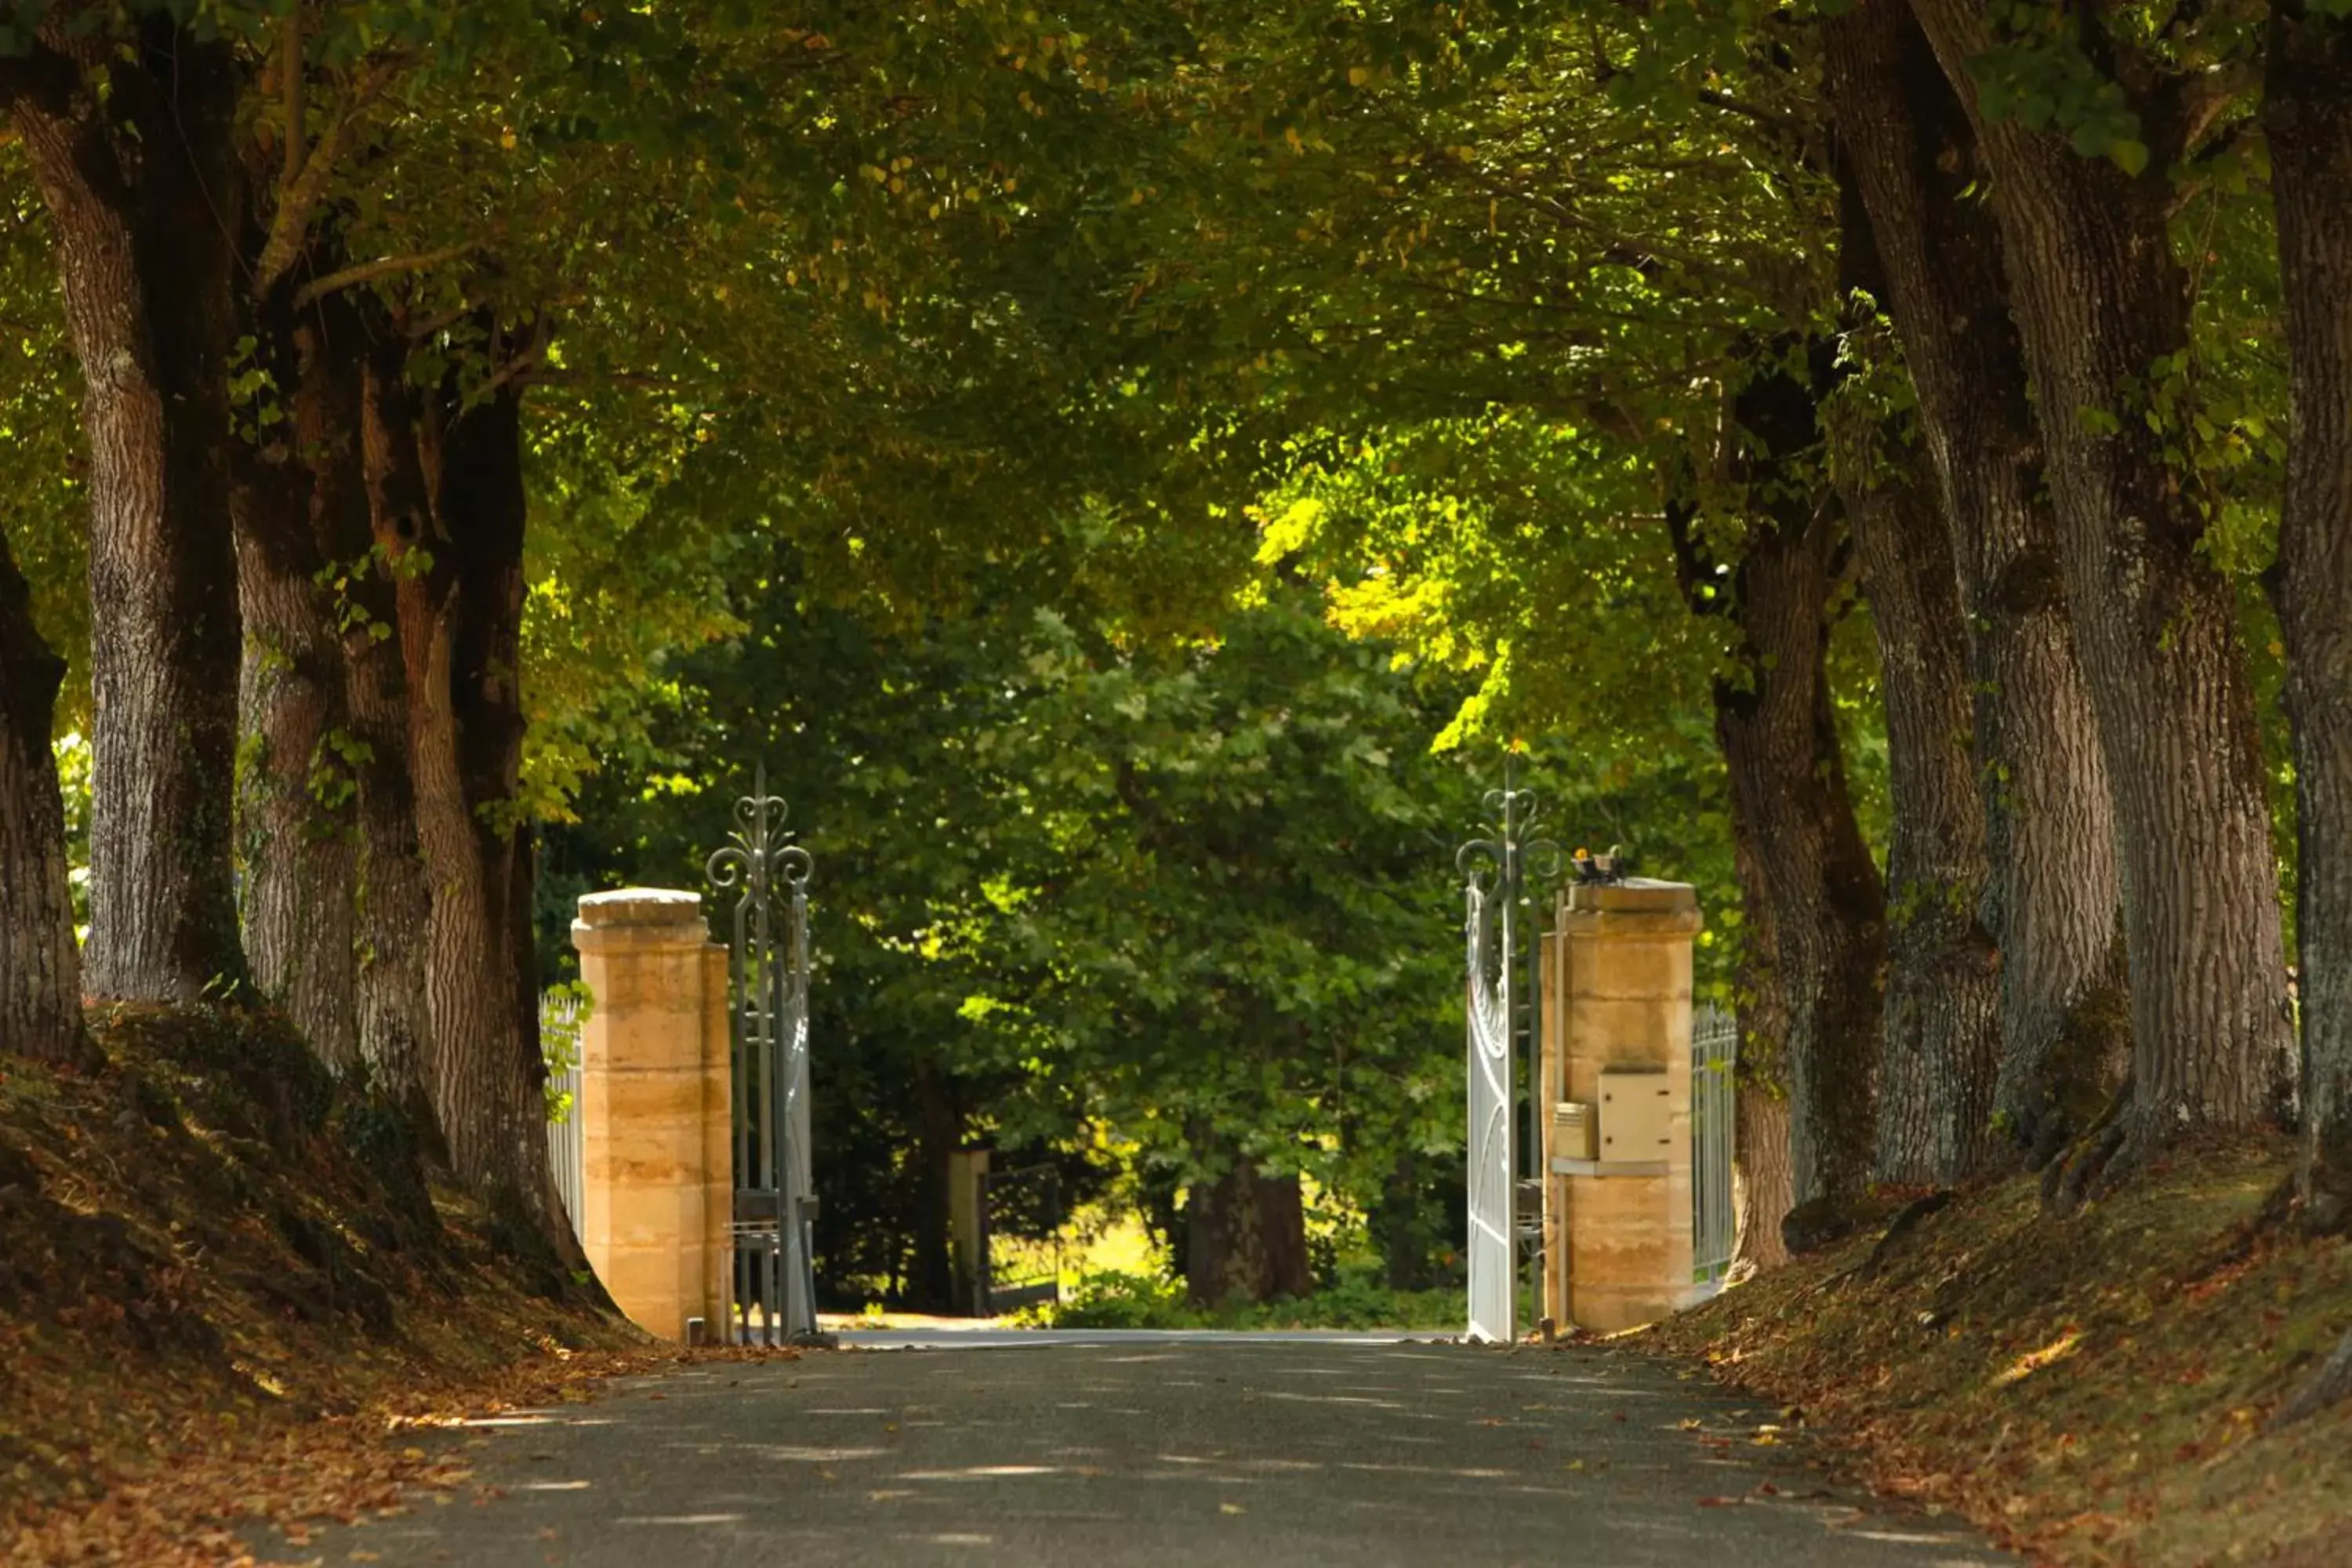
(762, 853)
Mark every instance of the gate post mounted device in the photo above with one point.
(1620, 1168)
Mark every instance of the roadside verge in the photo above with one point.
(2094, 1390)
(230, 1293)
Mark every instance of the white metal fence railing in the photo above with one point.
(558, 1044)
(1714, 1049)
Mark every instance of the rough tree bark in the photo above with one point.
(455, 562)
(2103, 310)
(1942, 1051)
(130, 177)
(40, 964)
(337, 903)
(1764, 1185)
(1778, 736)
(2053, 891)
(296, 826)
(2307, 117)
(394, 900)
(1245, 1236)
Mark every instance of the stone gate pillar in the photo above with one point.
(1619, 1190)
(657, 1180)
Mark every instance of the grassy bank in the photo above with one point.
(1354, 1299)
(227, 1286)
(2092, 1390)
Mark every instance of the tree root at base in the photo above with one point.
(2323, 1388)
(2091, 1168)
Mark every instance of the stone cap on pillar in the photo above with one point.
(1638, 906)
(647, 916)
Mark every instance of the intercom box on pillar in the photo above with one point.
(1617, 1086)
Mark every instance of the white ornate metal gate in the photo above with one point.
(1505, 1002)
(1715, 1054)
(1493, 1270)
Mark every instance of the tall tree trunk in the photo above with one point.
(1764, 1185)
(1404, 1231)
(1779, 736)
(130, 178)
(1779, 740)
(2307, 117)
(394, 902)
(2103, 310)
(1245, 1236)
(1942, 1052)
(493, 1066)
(40, 964)
(2053, 889)
(456, 565)
(939, 1131)
(295, 793)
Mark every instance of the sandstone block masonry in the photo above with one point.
(1618, 1221)
(657, 1181)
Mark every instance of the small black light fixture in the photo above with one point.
(1609, 867)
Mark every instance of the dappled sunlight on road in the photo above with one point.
(1107, 1454)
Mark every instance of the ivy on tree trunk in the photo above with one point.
(294, 461)
(447, 473)
(1943, 973)
(395, 902)
(1942, 1045)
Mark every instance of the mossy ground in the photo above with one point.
(2094, 1389)
(226, 1284)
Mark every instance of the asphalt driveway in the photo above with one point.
(1115, 1450)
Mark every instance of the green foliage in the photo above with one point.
(1192, 902)
(1131, 472)
(558, 1040)
(1354, 1299)
(43, 460)
(74, 764)
(2041, 75)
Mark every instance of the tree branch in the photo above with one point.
(2198, 101)
(1771, 120)
(319, 289)
(41, 88)
(289, 227)
(533, 355)
(627, 380)
(291, 67)
(2325, 1387)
